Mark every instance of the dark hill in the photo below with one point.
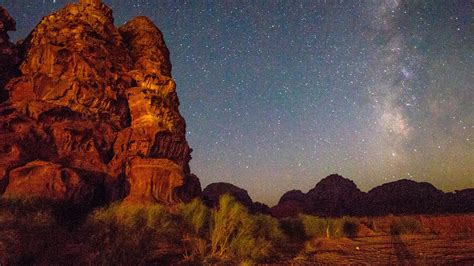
(214, 191)
(338, 196)
(404, 196)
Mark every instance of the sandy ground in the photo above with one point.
(400, 250)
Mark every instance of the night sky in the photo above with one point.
(279, 94)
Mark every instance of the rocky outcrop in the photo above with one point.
(157, 129)
(39, 179)
(214, 191)
(404, 197)
(290, 204)
(9, 58)
(334, 196)
(101, 101)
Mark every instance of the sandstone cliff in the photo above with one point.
(94, 110)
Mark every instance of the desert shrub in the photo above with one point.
(239, 236)
(314, 226)
(321, 227)
(197, 216)
(29, 232)
(293, 228)
(268, 227)
(27, 210)
(128, 234)
(405, 225)
(350, 226)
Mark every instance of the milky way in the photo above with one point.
(279, 94)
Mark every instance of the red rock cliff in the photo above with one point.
(95, 110)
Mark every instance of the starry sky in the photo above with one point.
(279, 94)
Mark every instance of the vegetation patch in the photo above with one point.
(405, 225)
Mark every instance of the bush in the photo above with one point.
(237, 235)
(195, 218)
(268, 227)
(28, 212)
(321, 227)
(314, 226)
(293, 228)
(128, 234)
(29, 232)
(350, 226)
(405, 225)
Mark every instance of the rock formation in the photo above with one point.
(9, 58)
(404, 197)
(39, 179)
(338, 196)
(290, 204)
(97, 104)
(334, 196)
(214, 191)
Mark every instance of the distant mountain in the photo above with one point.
(214, 191)
(404, 196)
(334, 196)
(338, 196)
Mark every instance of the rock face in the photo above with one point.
(9, 58)
(157, 129)
(51, 181)
(101, 102)
(154, 180)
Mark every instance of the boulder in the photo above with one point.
(50, 181)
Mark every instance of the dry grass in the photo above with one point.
(34, 232)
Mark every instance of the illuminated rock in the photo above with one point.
(101, 101)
